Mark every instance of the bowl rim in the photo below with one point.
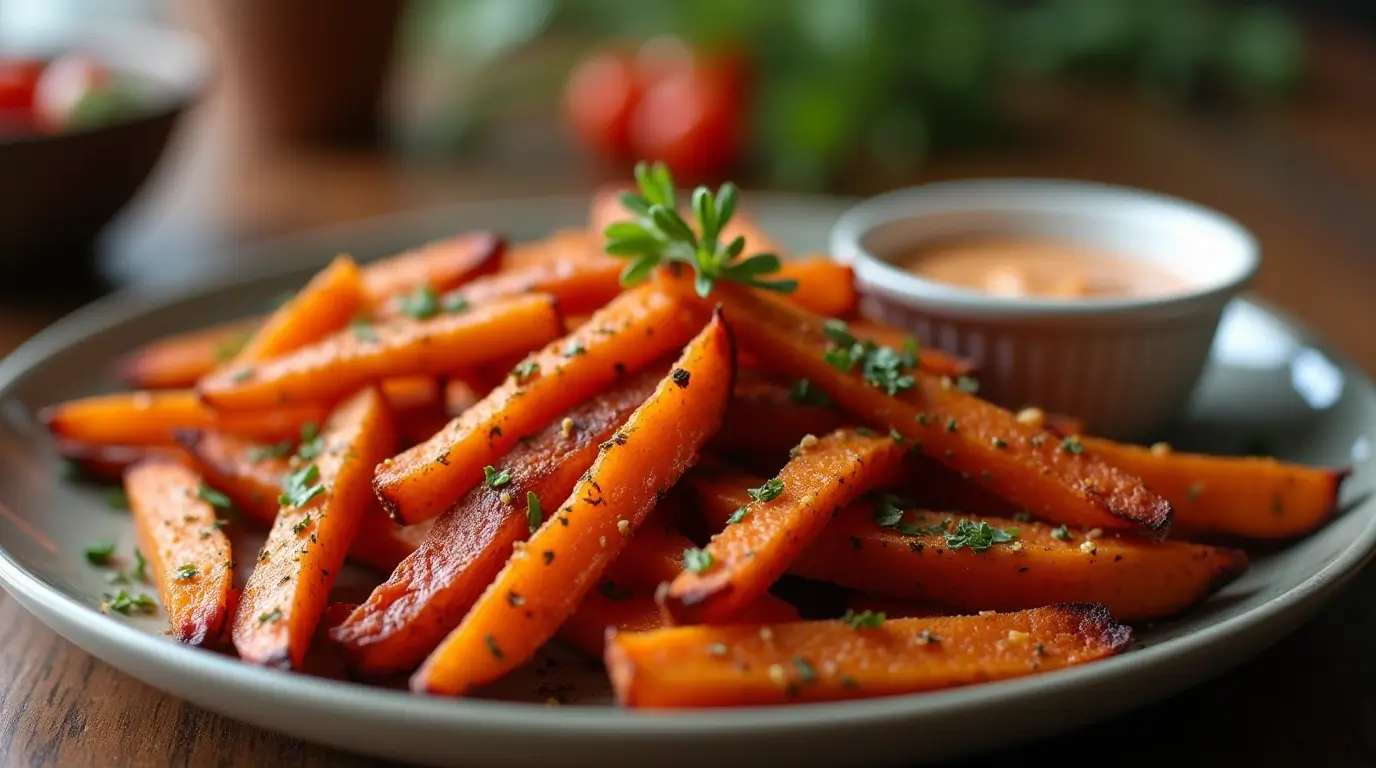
(874, 275)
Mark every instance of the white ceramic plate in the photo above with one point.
(1269, 385)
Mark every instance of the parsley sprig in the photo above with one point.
(659, 234)
(979, 537)
(881, 367)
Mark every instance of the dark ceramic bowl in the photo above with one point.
(58, 191)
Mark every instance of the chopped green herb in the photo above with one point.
(897, 437)
(888, 509)
(268, 452)
(951, 425)
(767, 492)
(363, 331)
(1061, 534)
(302, 524)
(274, 615)
(864, 431)
(925, 637)
(115, 498)
(922, 419)
(312, 444)
(454, 303)
(243, 374)
(967, 385)
(534, 515)
(999, 442)
(100, 552)
(978, 537)
(1073, 445)
(187, 572)
(125, 603)
(1022, 517)
(738, 515)
(574, 349)
(140, 569)
(213, 497)
(863, 619)
(301, 486)
(421, 303)
(806, 393)
(495, 479)
(696, 560)
(806, 672)
(525, 371)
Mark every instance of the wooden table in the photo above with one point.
(1303, 179)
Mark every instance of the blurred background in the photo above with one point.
(312, 112)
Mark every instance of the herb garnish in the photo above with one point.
(422, 303)
(863, 619)
(125, 603)
(213, 497)
(301, 486)
(767, 492)
(880, 367)
(495, 479)
(115, 498)
(1061, 534)
(534, 515)
(363, 330)
(525, 370)
(453, 303)
(979, 537)
(1072, 445)
(312, 444)
(100, 552)
(187, 572)
(659, 234)
(696, 560)
(738, 515)
(274, 615)
(267, 452)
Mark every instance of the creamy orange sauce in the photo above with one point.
(1026, 267)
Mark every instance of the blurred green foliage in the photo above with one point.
(892, 80)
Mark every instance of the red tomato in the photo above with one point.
(17, 80)
(599, 99)
(692, 121)
(64, 83)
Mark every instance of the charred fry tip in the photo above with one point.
(1097, 624)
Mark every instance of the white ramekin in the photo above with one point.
(1126, 366)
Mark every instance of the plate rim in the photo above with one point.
(350, 698)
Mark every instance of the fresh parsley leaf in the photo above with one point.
(838, 333)
(273, 615)
(125, 603)
(767, 492)
(696, 560)
(888, 509)
(421, 303)
(99, 552)
(806, 393)
(738, 515)
(1072, 445)
(1061, 534)
(525, 370)
(363, 331)
(863, 619)
(884, 368)
(534, 515)
(978, 537)
(659, 234)
(187, 572)
(494, 478)
(806, 672)
(312, 444)
(213, 497)
(140, 570)
(301, 486)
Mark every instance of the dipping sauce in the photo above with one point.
(1029, 267)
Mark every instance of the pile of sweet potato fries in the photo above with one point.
(531, 450)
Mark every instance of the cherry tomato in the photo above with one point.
(691, 121)
(62, 86)
(17, 80)
(599, 99)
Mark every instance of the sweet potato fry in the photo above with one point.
(417, 405)
(178, 361)
(634, 330)
(824, 286)
(107, 463)
(767, 420)
(921, 556)
(830, 660)
(440, 265)
(1253, 497)
(756, 546)
(430, 591)
(152, 418)
(932, 360)
(1054, 479)
(342, 362)
(580, 285)
(323, 504)
(188, 555)
(559, 245)
(568, 554)
(460, 394)
(251, 476)
(327, 303)
(600, 611)
(893, 608)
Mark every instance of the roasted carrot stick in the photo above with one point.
(188, 555)
(417, 404)
(831, 660)
(108, 462)
(1010, 565)
(438, 266)
(783, 516)
(860, 602)
(767, 420)
(327, 303)
(637, 328)
(580, 284)
(251, 476)
(1254, 497)
(559, 244)
(1053, 478)
(151, 418)
(824, 286)
(1063, 425)
(931, 359)
(604, 609)
(430, 591)
(342, 362)
(460, 394)
(323, 504)
(178, 361)
(569, 553)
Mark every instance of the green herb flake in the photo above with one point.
(897, 437)
(574, 349)
(696, 560)
(302, 524)
(312, 444)
(738, 515)
(806, 672)
(140, 570)
(269, 452)
(977, 537)
(951, 425)
(301, 486)
(186, 572)
(999, 443)
(1022, 517)
(1072, 445)
(116, 498)
(717, 649)
(770, 491)
(494, 478)
(534, 514)
(525, 371)
(421, 303)
(99, 552)
(967, 385)
(864, 432)
(1061, 534)
(127, 604)
(454, 304)
(213, 497)
(863, 619)
(364, 331)
(273, 616)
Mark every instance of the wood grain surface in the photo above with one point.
(1303, 178)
